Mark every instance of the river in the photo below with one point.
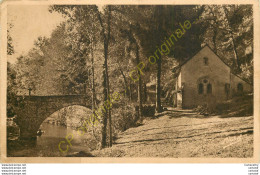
(47, 144)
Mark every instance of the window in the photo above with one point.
(227, 87)
(209, 89)
(227, 90)
(200, 88)
(240, 87)
(206, 60)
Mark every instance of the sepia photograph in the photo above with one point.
(155, 81)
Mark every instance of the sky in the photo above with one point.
(29, 22)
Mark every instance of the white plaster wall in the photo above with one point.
(235, 80)
(216, 71)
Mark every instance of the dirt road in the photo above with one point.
(184, 133)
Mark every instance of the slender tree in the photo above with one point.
(105, 31)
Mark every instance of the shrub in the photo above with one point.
(147, 110)
(203, 109)
(123, 116)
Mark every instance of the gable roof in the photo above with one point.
(201, 50)
(217, 56)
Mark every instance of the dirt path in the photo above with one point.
(183, 133)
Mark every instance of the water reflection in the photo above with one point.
(47, 144)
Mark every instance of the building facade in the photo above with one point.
(205, 79)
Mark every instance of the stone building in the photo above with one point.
(205, 79)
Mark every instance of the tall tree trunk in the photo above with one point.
(139, 93)
(125, 82)
(106, 91)
(215, 31)
(93, 80)
(107, 96)
(158, 86)
(108, 87)
(237, 62)
(214, 40)
(145, 93)
(140, 100)
(104, 126)
(159, 61)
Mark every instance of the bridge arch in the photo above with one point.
(68, 114)
(35, 109)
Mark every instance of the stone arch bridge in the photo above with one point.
(33, 110)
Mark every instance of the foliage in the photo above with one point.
(239, 106)
(124, 116)
(10, 47)
(94, 50)
(51, 67)
(11, 77)
(11, 91)
(228, 29)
